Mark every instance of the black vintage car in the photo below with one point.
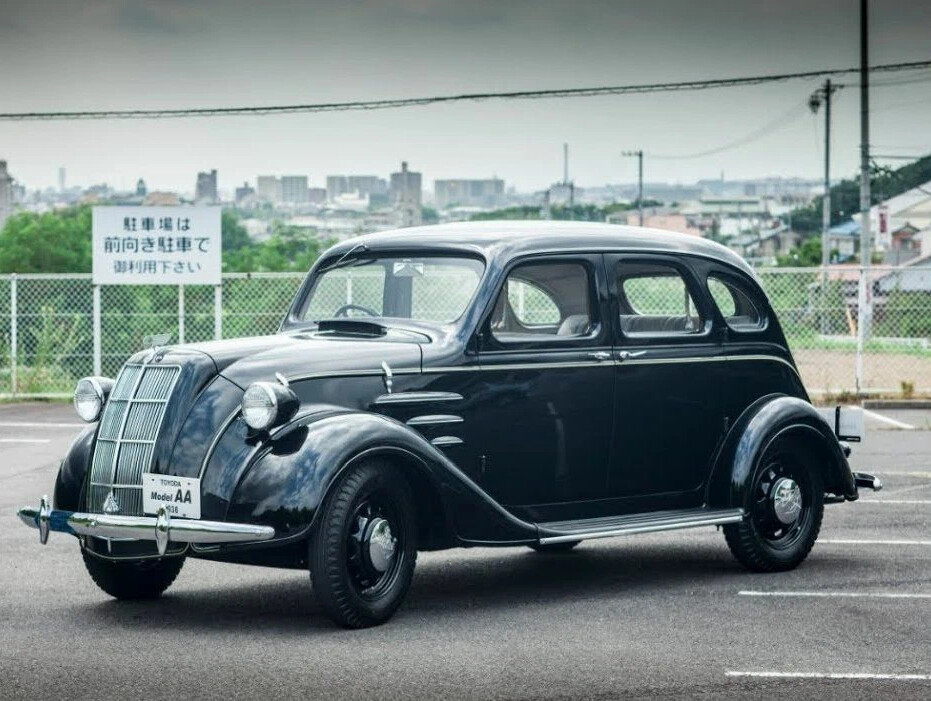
(526, 384)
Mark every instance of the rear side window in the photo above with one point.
(655, 301)
(735, 305)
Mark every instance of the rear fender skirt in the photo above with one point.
(766, 419)
(72, 475)
(292, 471)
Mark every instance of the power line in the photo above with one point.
(779, 122)
(440, 99)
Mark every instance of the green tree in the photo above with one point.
(808, 253)
(233, 234)
(51, 242)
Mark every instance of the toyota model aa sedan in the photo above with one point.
(526, 384)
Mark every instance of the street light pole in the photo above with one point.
(814, 102)
(639, 154)
(863, 290)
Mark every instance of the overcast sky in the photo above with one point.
(91, 54)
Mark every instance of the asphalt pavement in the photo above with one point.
(659, 616)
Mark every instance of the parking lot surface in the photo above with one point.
(660, 616)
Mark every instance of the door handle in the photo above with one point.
(626, 355)
(600, 355)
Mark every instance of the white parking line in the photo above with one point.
(845, 541)
(837, 594)
(834, 675)
(36, 424)
(25, 440)
(894, 501)
(886, 420)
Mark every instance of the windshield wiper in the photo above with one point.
(360, 247)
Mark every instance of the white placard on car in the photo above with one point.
(156, 245)
(180, 496)
(847, 421)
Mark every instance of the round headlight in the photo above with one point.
(259, 406)
(88, 399)
(266, 404)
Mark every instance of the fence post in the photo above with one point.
(14, 332)
(862, 292)
(180, 313)
(98, 361)
(218, 312)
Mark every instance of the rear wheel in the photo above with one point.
(784, 506)
(363, 552)
(133, 579)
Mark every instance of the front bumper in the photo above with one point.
(161, 528)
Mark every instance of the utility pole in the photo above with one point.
(639, 154)
(814, 102)
(864, 312)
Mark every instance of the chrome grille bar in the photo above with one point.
(129, 429)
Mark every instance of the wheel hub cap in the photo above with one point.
(787, 500)
(380, 544)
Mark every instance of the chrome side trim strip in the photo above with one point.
(351, 373)
(715, 518)
(443, 441)
(417, 397)
(432, 419)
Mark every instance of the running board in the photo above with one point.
(587, 529)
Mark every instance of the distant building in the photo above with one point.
(206, 190)
(406, 196)
(268, 188)
(487, 193)
(161, 199)
(336, 185)
(367, 185)
(6, 194)
(294, 189)
(140, 188)
(316, 195)
(61, 179)
(244, 193)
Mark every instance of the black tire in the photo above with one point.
(348, 586)
(761, 542)
(547, 548)
(138, 579)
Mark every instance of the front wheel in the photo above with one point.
(784, 506)
(364, 549)
(133, 579)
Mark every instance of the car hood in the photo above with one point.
(247, 360)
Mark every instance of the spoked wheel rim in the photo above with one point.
(374, 544)
(782, 501)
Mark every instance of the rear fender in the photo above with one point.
(770, 417)
(294, 469)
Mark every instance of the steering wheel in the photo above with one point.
(342, 311)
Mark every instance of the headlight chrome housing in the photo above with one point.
(266, 405)
(90, 395)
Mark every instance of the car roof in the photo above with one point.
(505, 239)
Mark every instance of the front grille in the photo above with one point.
(126, 438)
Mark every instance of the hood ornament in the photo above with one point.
(111, 505)
(157, 343)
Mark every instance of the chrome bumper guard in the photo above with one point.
(865, 480)
(161, 528)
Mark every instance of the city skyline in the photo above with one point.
(131, 54)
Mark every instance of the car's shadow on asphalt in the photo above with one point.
(480, 582)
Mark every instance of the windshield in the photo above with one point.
(436, 289)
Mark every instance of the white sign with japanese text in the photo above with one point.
(156, 245)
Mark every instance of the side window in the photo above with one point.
(738, 310)
(545, 302)
(654, 301)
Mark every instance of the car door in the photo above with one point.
(544, 402)
(667, 404)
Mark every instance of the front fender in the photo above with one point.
(760, 423)
(72, 475)
(292, 471)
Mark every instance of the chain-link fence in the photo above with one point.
(59, 328)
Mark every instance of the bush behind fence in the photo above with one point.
(47, 337)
